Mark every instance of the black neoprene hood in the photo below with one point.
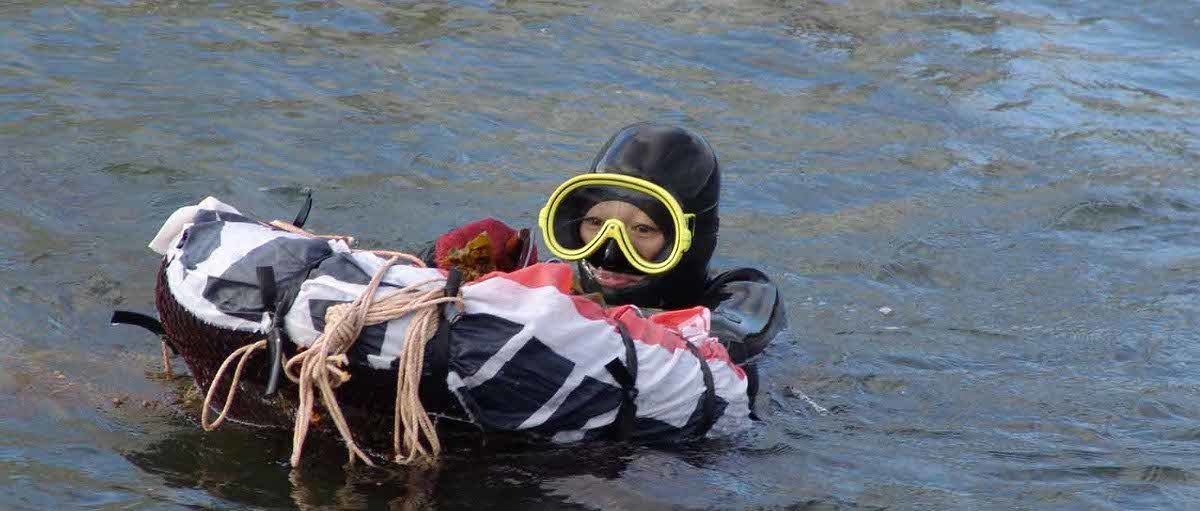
(684, 164)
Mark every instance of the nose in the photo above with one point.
(612, 258)
(610, 255)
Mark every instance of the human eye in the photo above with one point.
(644, 230)
(592, 221)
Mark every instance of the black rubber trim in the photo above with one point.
(150, 323)
(138, 319)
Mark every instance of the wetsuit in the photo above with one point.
(747, 308)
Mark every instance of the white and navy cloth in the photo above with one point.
(525, 354)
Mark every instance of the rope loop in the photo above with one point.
(244, 352)
(322, 367)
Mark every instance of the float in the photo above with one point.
(283, 328)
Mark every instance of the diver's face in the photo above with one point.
(646, 236)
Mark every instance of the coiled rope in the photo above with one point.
(320, 367)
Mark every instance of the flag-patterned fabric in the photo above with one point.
(525, 355)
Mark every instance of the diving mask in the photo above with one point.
(588, 210)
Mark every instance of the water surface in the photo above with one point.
(1015, 180)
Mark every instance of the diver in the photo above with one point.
(641, 226)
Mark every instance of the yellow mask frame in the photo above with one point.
(615, 229)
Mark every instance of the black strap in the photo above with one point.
(752, 379)
(266, 285)
(302, 215)
(625, 375)
(433, 390)
(453, 283)
(527, 248)
(441, 347)
(292, 289)
(141, 320)
(709, 407)
(138, 319)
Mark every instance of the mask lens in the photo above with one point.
(643, 223)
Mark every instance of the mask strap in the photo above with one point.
(705, 210)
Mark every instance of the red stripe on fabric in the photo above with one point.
(714, 350)
(557, 275)
(560, 276)
(648, 332)
(588, 308)
(645, 331)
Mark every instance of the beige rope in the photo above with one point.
(323, 361)
(408, 407)
(244, 352)
(319, 368)
(408, 257)
(285, 226)
(349, 240)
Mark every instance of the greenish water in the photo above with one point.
(1016, 180)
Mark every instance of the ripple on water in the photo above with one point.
(1016, 180)
(1148, 473)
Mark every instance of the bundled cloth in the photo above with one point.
(522, 352)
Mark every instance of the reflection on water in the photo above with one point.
(1014, 182)
(251, 468)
